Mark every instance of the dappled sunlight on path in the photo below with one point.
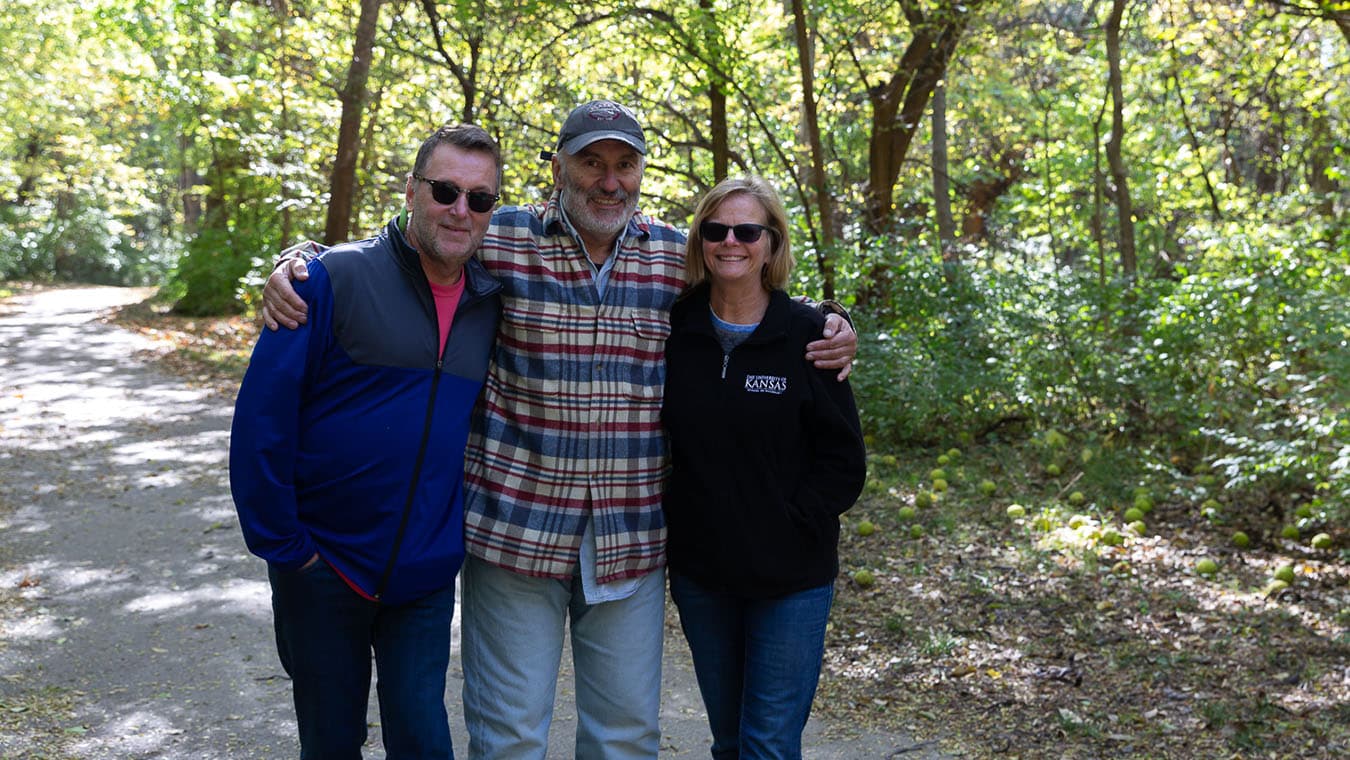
(128, 583)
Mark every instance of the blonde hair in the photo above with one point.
(775, 274)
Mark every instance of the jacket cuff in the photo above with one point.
(834, 307)
(305, 250)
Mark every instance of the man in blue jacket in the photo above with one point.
(346, 457)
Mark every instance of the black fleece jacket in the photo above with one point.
(767, 452)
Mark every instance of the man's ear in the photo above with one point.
(556, 164)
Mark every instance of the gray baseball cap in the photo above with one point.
(598, 120)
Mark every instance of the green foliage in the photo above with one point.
(932, 367)
(1237, 368)
(78, 243)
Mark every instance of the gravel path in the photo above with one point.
(125, 588)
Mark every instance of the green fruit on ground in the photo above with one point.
(1052, 470)
(953, 454)
(938, 474)
(988, 487)
(1321, 541)
(1240, 540)
(1140, 491)
(944, 460)
(1211, 504)
(939, 485)
(866, 528)
(1143, 503)
(1275, 587)
(1290, 532)
(916, 531)
(1077, 498)
(1138, 527)
(1055, 439)
(923, 499)
(905, 513)
(1086, 456)
(1016, 510)
(1284, 573)
(864, 578)
(1132, 514)
(889, 460)
(1077, 521)
(1304, 511)
(1111, 538)
(1043, 524)
(1121, 568)
(1206, 566)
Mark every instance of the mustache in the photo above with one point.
(618, 195)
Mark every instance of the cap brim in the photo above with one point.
(580, 141)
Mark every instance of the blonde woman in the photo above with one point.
(767, 452)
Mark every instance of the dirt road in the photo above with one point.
(133, 622)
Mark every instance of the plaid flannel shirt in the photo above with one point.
(569, 425)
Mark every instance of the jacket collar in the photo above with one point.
(479, 282)
(697, 316)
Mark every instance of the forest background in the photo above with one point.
(1096, 253)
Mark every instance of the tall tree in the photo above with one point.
(898, 102)
(817, 180)
(1114, 151)
(942, 192)
(354, 95)
(717, 94)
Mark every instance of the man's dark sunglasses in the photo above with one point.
(716, 232)
(446, 193)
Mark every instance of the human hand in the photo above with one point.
(281, 304)
(837, 347)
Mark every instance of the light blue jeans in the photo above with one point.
(511, 644)
(757, 663)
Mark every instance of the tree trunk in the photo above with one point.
(717, 98)
(188, 178)
(811, 124)
(1124, 209)
(942, 190)
(898, 104)
(353, 97)
(1320, 150)
(721, 149)
(983, 193)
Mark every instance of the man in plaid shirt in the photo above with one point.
(567, 459)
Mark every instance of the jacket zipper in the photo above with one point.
(412, 486)
(417, 469)
(726, 358)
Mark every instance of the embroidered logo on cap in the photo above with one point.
(604, 110)
(766, 384)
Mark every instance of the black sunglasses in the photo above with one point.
(446, 193)
(716, 232)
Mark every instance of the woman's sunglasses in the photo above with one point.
(716, 232)
(446, 193)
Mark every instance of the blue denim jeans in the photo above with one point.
(325, 634)
(757, 662)
(511, 641)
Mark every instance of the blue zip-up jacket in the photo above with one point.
(349, 433)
